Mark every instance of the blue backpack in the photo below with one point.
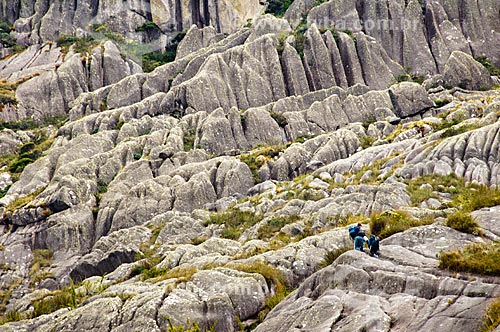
(353, 231)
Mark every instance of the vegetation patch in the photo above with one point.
(388, 223)
(467, 197)
(492, 317)
(188, 327)
(152, 60)
(82, 45)
(235, 221)
(280, 119)
(22, 201)
(278, 7)
(480, 258)
(42, 259)
(331, 256)
(4, 191)
(258, 157)
(5, 295)
(274, 225)
(492, 69)
(463, 222)
(189, 139)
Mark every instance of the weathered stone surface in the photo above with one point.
(463, 71)
(409, 99)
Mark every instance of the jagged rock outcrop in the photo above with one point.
(163, 200)
(50, 81)
(418, 35)
(49, 19)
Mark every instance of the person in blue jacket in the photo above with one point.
(359, 241)
(374, 245)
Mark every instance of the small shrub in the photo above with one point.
(278, 7)
(81, 45)
(119, 125)
(274, 225)
(148, 27)
(4, 191)
(19, 165)
(258, 157)
(27, 147)
(492, 317)
(189, 139)
(367, 141)
(331, 256)
(11, 316)
(152, 60)
(441, 103)
(137, 155)
(280, 119)
(490, 67)
(481, 258)
(190, 327)
(463, 222)
(42, 259)
(390, 222)
(235, 221)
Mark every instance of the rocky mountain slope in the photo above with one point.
(214, 192)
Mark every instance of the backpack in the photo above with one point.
(353, 231)
(373, 242)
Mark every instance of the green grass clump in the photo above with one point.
(331, 256)
(5, 295)
(188, 327)
(154, 59)
(82, 45)
(280, 119)
(236, 222)
(388, 223)
(492, 317)
(22, 201)
(274, 225)
(480, 258)
(463, 222)
(4, 191)
(64, 298)
(467, 197)
(367, 141)
(189, 139)
(258, 157)
(278, 7)
(42, 258)
(475, 196)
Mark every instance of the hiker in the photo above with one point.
(374, 245)
(359, 241)
(354, 230)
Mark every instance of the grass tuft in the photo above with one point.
(492, 317)
(388, 223)
(463, 222)
(480, 258)
(331, 256)
(235, 221)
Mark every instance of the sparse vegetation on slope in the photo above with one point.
(235, 222)
(388, 223)
(463, 222)
(492, 317)
(480, 258)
